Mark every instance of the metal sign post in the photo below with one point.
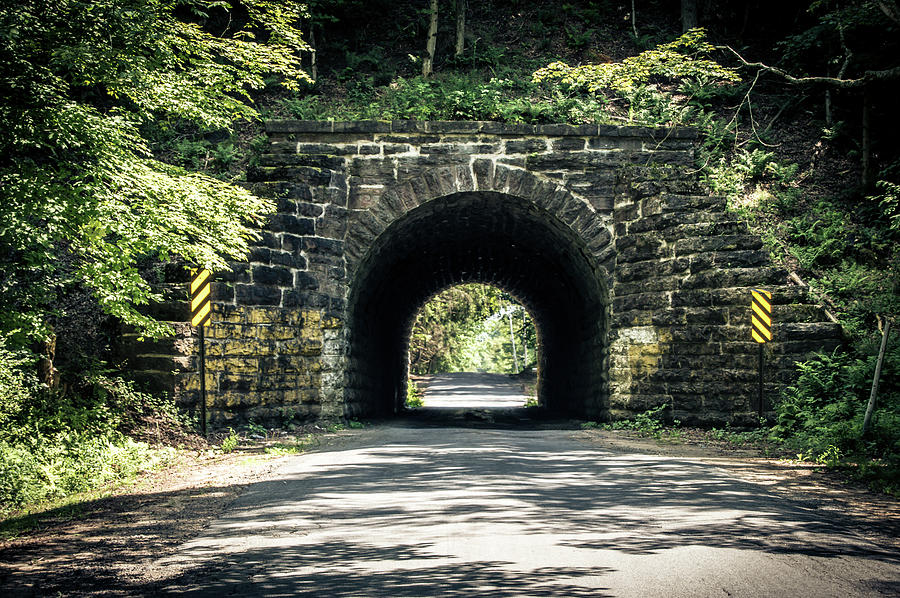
(761, 331)
(201, 309)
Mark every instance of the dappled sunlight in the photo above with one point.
(465, 390)
(490, 511)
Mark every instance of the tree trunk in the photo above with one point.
(872, 395)
(428, 63)
(688, 14)
(512, 339)
(524, 339)
(313, 67)
(634, 20)
(460, 27)
(47, 372)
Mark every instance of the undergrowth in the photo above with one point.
(668, 85)
(413, 396)
(55, 444)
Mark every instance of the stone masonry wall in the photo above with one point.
(677, 267)
(681, 316)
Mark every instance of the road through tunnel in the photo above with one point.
(491, 238)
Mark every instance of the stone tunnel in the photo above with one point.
(638, 281)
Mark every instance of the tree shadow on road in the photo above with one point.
(307, 530)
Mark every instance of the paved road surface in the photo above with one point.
(412, 510)
(470, 390)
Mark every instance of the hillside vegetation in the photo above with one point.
(127, 122)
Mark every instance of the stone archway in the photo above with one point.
(493, 238)
(637, 276)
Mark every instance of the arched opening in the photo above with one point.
(486, 237)
(472, 346)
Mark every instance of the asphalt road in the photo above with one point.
(473, 391)
(407, 509)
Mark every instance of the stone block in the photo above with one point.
(408, 126)
(274, 127)
(525, 146)
(251, 294)
(615, 143)
(294, 225)
(306, 298)
(409, 167)
(483, 170)
(457, 148)
(396, 148)
(268, 275)
(568, 144)
(381, 169)
(551, 130)
(511, 129)
(453, 126)
(362, 126)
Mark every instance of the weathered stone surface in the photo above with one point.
(267, 275)
(638, 278)
(294, 225)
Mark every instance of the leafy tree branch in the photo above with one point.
(82, 200)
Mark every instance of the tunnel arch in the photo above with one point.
(490, 237)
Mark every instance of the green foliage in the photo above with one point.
(18, 385)
(847, 249)
(837, 27)
(230, 442)
(80, 81)
(446, 96)
(555, 93)
(53, 445)
(678, 60)
(413, 396)
(821, 414)
(758, 435)
(256, 429)
(466, 328)
(445, 323)
(648, 423)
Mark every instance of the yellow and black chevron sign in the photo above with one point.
(200, 299)
(761, 315)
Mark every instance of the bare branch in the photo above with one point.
(890, 74)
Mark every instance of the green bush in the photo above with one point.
(53, 444)
(413, 396)
(51, 467)
(17, 384)
(230, 442)
(821, 414)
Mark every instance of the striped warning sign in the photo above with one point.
(200, 299)
(761, 315)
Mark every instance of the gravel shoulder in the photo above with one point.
(111, 543)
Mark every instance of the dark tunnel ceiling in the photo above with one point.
(478, 237)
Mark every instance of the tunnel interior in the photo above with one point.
(489, 238)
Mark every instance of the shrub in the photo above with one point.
(413, 396)
(821, 414)
(53, 444)
(230, 442)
